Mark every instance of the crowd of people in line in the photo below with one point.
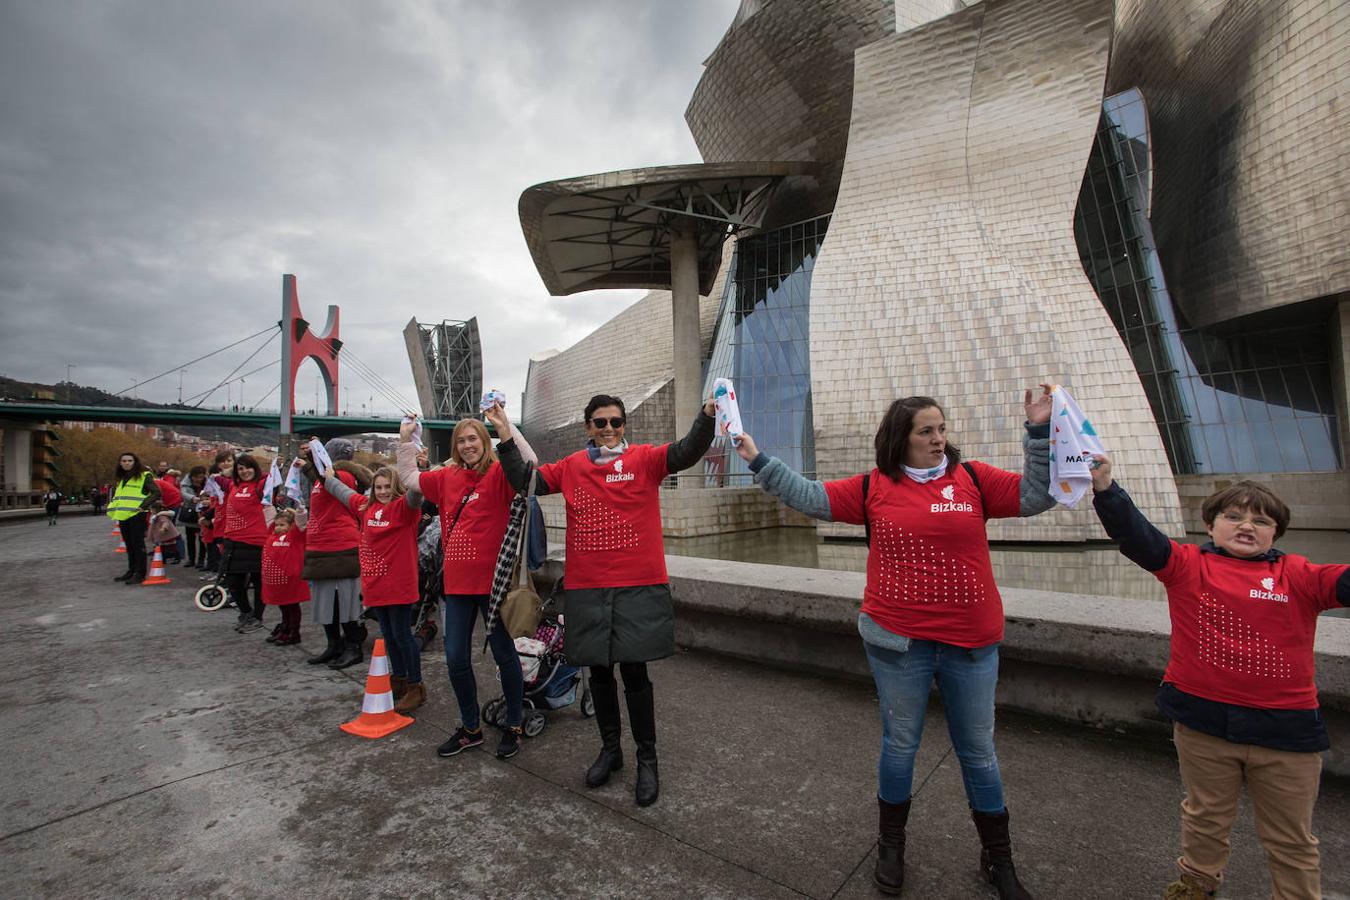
(1239, 686)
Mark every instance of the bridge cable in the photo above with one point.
(247, 374)
(197, 360)
(371, 375)
(276, 331)
(276, 387)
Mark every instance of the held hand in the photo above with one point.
(1101, 472)
(710, 406)
(745, 446)
(423, 458)
(299, 463)
(328, 472)
(405, 429)
(500, 424)
(1038, 409)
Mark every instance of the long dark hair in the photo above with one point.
(245, 459)
(137, 467)
(892, 440)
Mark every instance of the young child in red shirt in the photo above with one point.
(1239, 685)
(389, 584)
(282, 585)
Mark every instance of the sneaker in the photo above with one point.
(510, 744)
(250, 625)
(462, 739)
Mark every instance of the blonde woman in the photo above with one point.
(474, 500)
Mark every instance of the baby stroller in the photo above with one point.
(550, 682)
(213, 595)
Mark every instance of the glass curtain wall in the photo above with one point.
(1231, 400)
(761, 344)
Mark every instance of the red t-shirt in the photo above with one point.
(1242, 630)
(243, 511)
(170, 495)
(388, 544)
(928, 570)
(282, 561)
(331, 527)
(471, 547)
(613, 517)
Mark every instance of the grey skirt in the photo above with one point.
(340, 594)
(618, 625)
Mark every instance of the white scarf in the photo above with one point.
(923, 476)
(1073, 440)
(603, 456)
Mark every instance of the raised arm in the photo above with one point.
(778, 479)
(405, 461)
(1034, 492)
(339, 491)
(515, 462)
(1139, 540)
(689, 449)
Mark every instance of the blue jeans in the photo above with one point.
(966, 680)
(460, 612)
(405, 659)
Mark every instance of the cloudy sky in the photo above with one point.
(163, 164)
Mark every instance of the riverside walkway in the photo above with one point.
(151, 751)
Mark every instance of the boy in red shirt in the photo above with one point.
(1239, 685)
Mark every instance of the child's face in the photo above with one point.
(384, 490)
(281, 526)
(1242, 532)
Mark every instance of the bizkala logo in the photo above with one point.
(618, 474)
(1268, 592)
(379, 514)
(950, 504)
(377, 519)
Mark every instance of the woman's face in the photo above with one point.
(470, 447)
(384, 489)
(246, 473)
(198, 482)
(600, 426)
(126, 462)
(927, 439)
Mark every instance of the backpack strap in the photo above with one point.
(867, 523)
(970, 470)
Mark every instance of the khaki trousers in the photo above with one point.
(1283, 788)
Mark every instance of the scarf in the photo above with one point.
(1073, 440)
(603, 456)
(923, 476)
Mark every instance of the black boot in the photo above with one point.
(606, 697)
(334, 648)
(890, 871)
(351, 649)
(642, 722)
(996, 862)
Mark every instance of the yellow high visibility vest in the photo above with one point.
(127, 498)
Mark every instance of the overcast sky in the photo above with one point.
(162, 164)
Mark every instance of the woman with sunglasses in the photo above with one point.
(618, 601)
(930, 609)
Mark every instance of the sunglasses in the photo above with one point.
(615, 422)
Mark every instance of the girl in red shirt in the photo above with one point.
(930, 608)
(1239, 685)
(388, 522)
(473, 498)
(619, 608)
(245, 530)
(282, 585)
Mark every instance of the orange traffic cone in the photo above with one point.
(116, 532)
(377, 708)
(121, 544)
(157, 575)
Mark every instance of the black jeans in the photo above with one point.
(634, 676)
(237, 583)
(133, 535)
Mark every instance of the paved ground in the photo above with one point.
(154, 752)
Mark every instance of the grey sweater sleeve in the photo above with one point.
(340, 491)
(795, 490)
(1035, 491)
(413, 498)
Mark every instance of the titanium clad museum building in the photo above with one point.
(1145, 201)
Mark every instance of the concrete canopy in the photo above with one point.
(613, 230)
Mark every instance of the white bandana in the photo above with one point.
(923, 476)
(1073, 440)
(603, 456)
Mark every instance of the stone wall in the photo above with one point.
(1316, 499)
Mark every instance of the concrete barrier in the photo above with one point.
(1086, 659)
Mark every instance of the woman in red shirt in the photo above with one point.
(245, 533)
(619, 608)
(282, 584)
(473, 498)
(388, 522)
(930, 608)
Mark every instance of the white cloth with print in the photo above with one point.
(1073, 440)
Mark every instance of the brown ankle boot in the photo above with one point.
(414, 696)
(399, 685)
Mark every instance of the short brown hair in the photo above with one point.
(892, 440)
(1250, 496)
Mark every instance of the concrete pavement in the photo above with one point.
(153, 752)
